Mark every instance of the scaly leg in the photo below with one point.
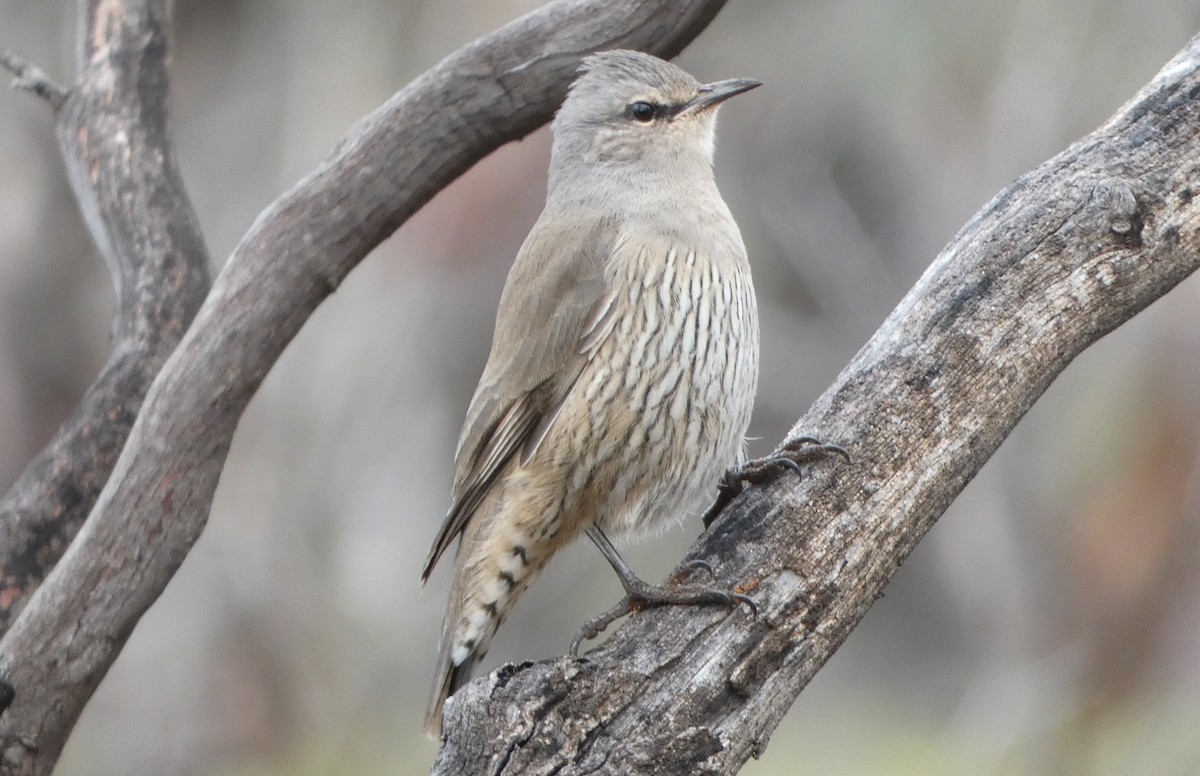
(640, 594)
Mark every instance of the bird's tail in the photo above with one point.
(448, 676)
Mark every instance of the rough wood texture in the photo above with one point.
(112, 132)
(1061, 257)
(156, 501)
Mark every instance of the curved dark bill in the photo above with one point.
(717, 92)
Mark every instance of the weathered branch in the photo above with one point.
(112, 133)
(34, 80)
(1061, 257)
(156, 501)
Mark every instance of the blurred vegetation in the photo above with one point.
(1050, 624)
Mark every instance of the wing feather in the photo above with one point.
(555, 310)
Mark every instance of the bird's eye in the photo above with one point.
(642, 111)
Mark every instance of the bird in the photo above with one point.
(624, 362)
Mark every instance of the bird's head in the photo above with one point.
(633, 110)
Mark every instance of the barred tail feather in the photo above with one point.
(450, 678)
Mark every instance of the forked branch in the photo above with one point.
(156, 500)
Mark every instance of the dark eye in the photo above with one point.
(642, 111)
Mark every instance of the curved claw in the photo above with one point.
(786, 463)
(791, 454)
(654, 596)
(832, 449)
(748, 601)
(817, 448)
(585, 634)
(697, 564)
(597, 625)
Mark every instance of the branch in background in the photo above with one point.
(1058, 259)
(156, 501)
(112, 133)
(28, 78)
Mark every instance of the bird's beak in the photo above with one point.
(711, 95)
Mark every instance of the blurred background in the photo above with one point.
(1049, 624)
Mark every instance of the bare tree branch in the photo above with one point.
(156, 501)
(1058, 259)
(29, 78)
(112, 132)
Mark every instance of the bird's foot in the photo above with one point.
(790, 457)
(695, 564)
(642, 595)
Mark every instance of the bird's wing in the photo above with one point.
(555, 310)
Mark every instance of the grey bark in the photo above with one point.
(156, 500)
(1061, 257)
(112, 134)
